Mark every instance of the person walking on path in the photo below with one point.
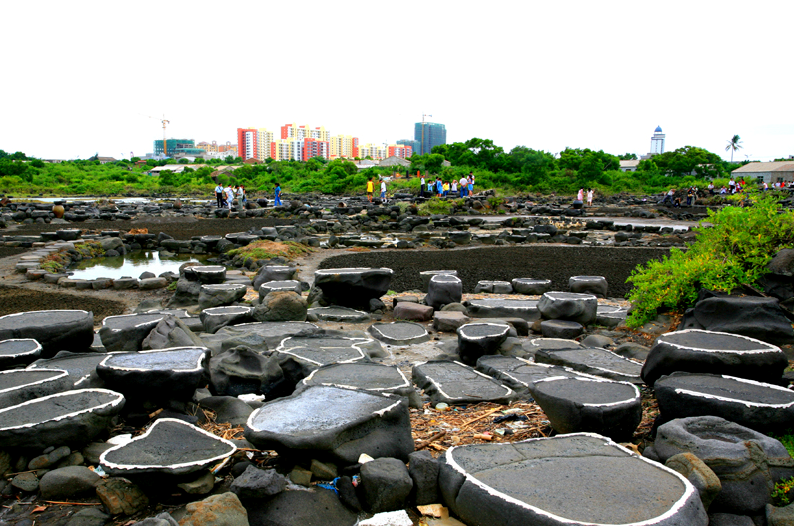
(219, 195)
(241, 197)
(277, 201)
(422, 186)
(668, 197)
(589, 197)
(229, 196)
(370, 189)
(383, 189)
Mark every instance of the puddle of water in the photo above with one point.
(133, 265)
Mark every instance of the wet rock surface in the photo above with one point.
(456, 383)
(598, 362)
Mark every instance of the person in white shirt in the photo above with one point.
(383, 189)
(463, 184)
(219, 195)
(422, 186)
(229, 196)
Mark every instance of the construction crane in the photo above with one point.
(165, 141)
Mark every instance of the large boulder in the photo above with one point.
(242, 371)
(759, 318)
(457, 383)
(747, 462)
(479, 339)
(338, 425)
(779, 281)
(595, 361)
(81, 367)
(221, 294)
(171, 332)
(699, 351)
(399, 333)
(444, 289)
(219, 317)
(533, 482)
(314, 507)
(595, 285)
(281, 306)
(759, 406)
(573, 405)
(385, 485)
(171, 447)
(55, 330)
(186, 293)
(353, 287)
(371, 377)
(503, 308)
(70, 418)
(21, 385)
(569, 306)
(126, 333)
(18, 351)
(274, 273)
(519, 374)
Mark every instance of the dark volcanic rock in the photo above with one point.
(385, 485)
(55, 330)
(569, 306)
(611, 409)
(479, 339)
(457, 383)
(759, 406)
(596, 285)
(219, 317)
(530, 482)
(161, 374)
(363, 376)
(519, 374)
(699, 351)
(169, 446)
(503, 308)
(316, 507)
(353, 287)
(598, 362)
(532, 287)
(21, 385)
(241, 371)
(399, 333)
(18, 351)
(444, 289)
(333, 424)
(80, 366)
(298, 357)
(126, 333)
(759, 318)
(747, 462)
(71, 417)
(273, 273)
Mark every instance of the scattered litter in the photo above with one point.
(509, 418)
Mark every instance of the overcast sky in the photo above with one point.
(84, 77)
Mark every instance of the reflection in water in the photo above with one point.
(133, 265)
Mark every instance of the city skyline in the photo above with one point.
(85, 77)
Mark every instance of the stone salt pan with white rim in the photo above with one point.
(700, 351)
(332, 424)
(218, 317)
(569, 306)
(519, 374)
(222, 294)
(18, 351)
(55, 330)
(21, 385)
(208, 274)
(427, 275)
(503, 308)
(273, 286)
(353, 287)
(334, 313)
(169, 446)
(457, 383)
(80, 366)
(162, 373)
(67, 418)
(298, 357)
(573, 405)
(399, 333)
(591, 360)
(759, 406)
(569, 480)
(364, 376)
(532, 287)
(479, 339)
(125, 333)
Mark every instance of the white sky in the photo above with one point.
(82, 77)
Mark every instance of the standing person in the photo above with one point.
(463, 184)
(689, 195)
(470, 184)
(219, 195)
(454, 186)
(241, 197)
(732, 186)
(446, 188)
(229, 196)
(421, 187)
(580, 195)
(439, 187)
(711, 188)
(383, 189)
(277, 201)
(370, 189)
(589, 197)
(669, 197)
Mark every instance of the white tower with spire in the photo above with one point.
(657, 141)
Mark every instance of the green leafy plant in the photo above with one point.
(733, 252)
(435, 206)
(271, 249)
(780, 495)
(787, 439)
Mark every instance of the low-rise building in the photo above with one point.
(771, 172)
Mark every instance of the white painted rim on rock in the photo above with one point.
(700, 394)
(689, 489)
(43, 380)
(198, 367)
(766, 347)
(504, 326)
(118, 400)
(627, 401)
(440, 387)
(112, 465)
(306, 381)
(36, 349)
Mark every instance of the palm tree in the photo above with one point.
(734, 143)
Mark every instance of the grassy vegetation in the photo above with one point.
(59, 261)
(732, 253)
(271, 249)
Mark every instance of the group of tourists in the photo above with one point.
(580, 196)
(371, 189)
(225, 197)
(439, 188)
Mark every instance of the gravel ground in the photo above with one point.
(554, 262)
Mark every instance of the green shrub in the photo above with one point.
(435, 206)
(732, 253)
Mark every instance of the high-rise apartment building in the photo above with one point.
(343, 147)
(315, 148)
(429, 134)
(399, 150)
(376, 152)
(410, 142)
(247, 143)
(175, 146)
(264, 146)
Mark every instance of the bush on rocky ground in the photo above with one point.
(732, 253)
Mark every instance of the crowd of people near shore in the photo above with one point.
(691, 194)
